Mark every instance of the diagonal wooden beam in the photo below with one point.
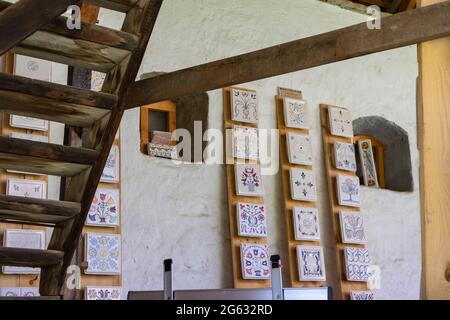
(24, 17)
(396, 31)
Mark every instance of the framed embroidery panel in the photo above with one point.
(251, 219)
(295, 113)
(245, 143)
(9, 292)
(111, 171)
(352, 227)
(357, 263)
(23, 122)
(248, 180)
(344, 156)
(303, 184)
(103, 253)
(26, 188)
(311, 263)
(367, 159)
(340, 122)
(362, 295)
(103, 293)
(306, 224)
(348, 190)
(105, 208)
(27, 239)
(299, 149)
(255, 261)
(244, 105)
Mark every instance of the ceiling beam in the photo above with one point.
(24, 17)
(398, 30)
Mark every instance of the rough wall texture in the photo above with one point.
(180, 211)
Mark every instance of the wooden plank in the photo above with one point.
(37, 210)
(13, 32)
(117, 5)
(89, 31)
(19, 257)
(100, 137)
(345, 287)
(289, 204)
(434, 133)
(398, 30)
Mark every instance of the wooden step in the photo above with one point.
(91, 47)
(33, 258)
(44, 158)
(20, 209)
(117, 5)
(50, 101)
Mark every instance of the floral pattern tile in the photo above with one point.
(362, 295)
(255, 261)
(103, 253)
(295, 113)
(368, 163)
(344, 156)
(311, 264)
(340, 122)
(26, 188)
(299, 148)
(357, 263)
(244, 106)
(111, 171)
(348, 190)
(29, 292)
(105, 208)
(303, 184)
(245, 142)
(9, 292)
(251, 220)
(103, 293)
(352, 227)
(306, 224)
(248, 180)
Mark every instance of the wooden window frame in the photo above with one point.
(165, 106)
(378, 157)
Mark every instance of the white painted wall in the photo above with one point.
(181, 212)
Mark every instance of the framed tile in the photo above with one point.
(251, 219)
(306, 224)
(9, 292)
(340, 122)
(105, 208)
(27, 239)
(311, 266)
(103, 293)
(352, 227)
(368, 163)
(295, 113)
(111, 171)
(348, 190)
(357, 262)
(303, 184)
(97, 79)
(344, 156)
(245, 142)
(29, 292)
(33, 68)
(362, 295)
(16, 121)
(299, 149)
(103, 253)
(255, 261)
(30, 137)
(244, 106)
(26, 188)
(248, 180)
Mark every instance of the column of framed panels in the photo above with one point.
(247, 214)
(353, 259)
(306, 258)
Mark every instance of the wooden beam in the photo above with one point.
(397, 31)
(433, 134)
(25, 17)
(18, 257)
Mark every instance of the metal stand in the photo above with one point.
(168, 289)
(277, 278)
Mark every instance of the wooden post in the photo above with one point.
(434, 133)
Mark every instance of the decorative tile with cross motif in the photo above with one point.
(306, 224)
(103, 253)
(248, 180)
(368, 163)
(348, 190)
(244, 106)
(299, 148)
(245, 142)
(111, 171)
(104, 209)
(255, 261)
(362, 295)
(352, 227)
(26, 188)
(311, 266)
(340, 122)
(344, 156)
(251, 220)
(103, 293)
(357, 263)
(303, 184)
(295, 113)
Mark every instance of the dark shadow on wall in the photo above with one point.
(397, 155)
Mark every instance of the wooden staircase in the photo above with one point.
(117, 53)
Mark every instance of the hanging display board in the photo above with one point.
(249, 254)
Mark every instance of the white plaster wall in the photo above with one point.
(180, 212)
